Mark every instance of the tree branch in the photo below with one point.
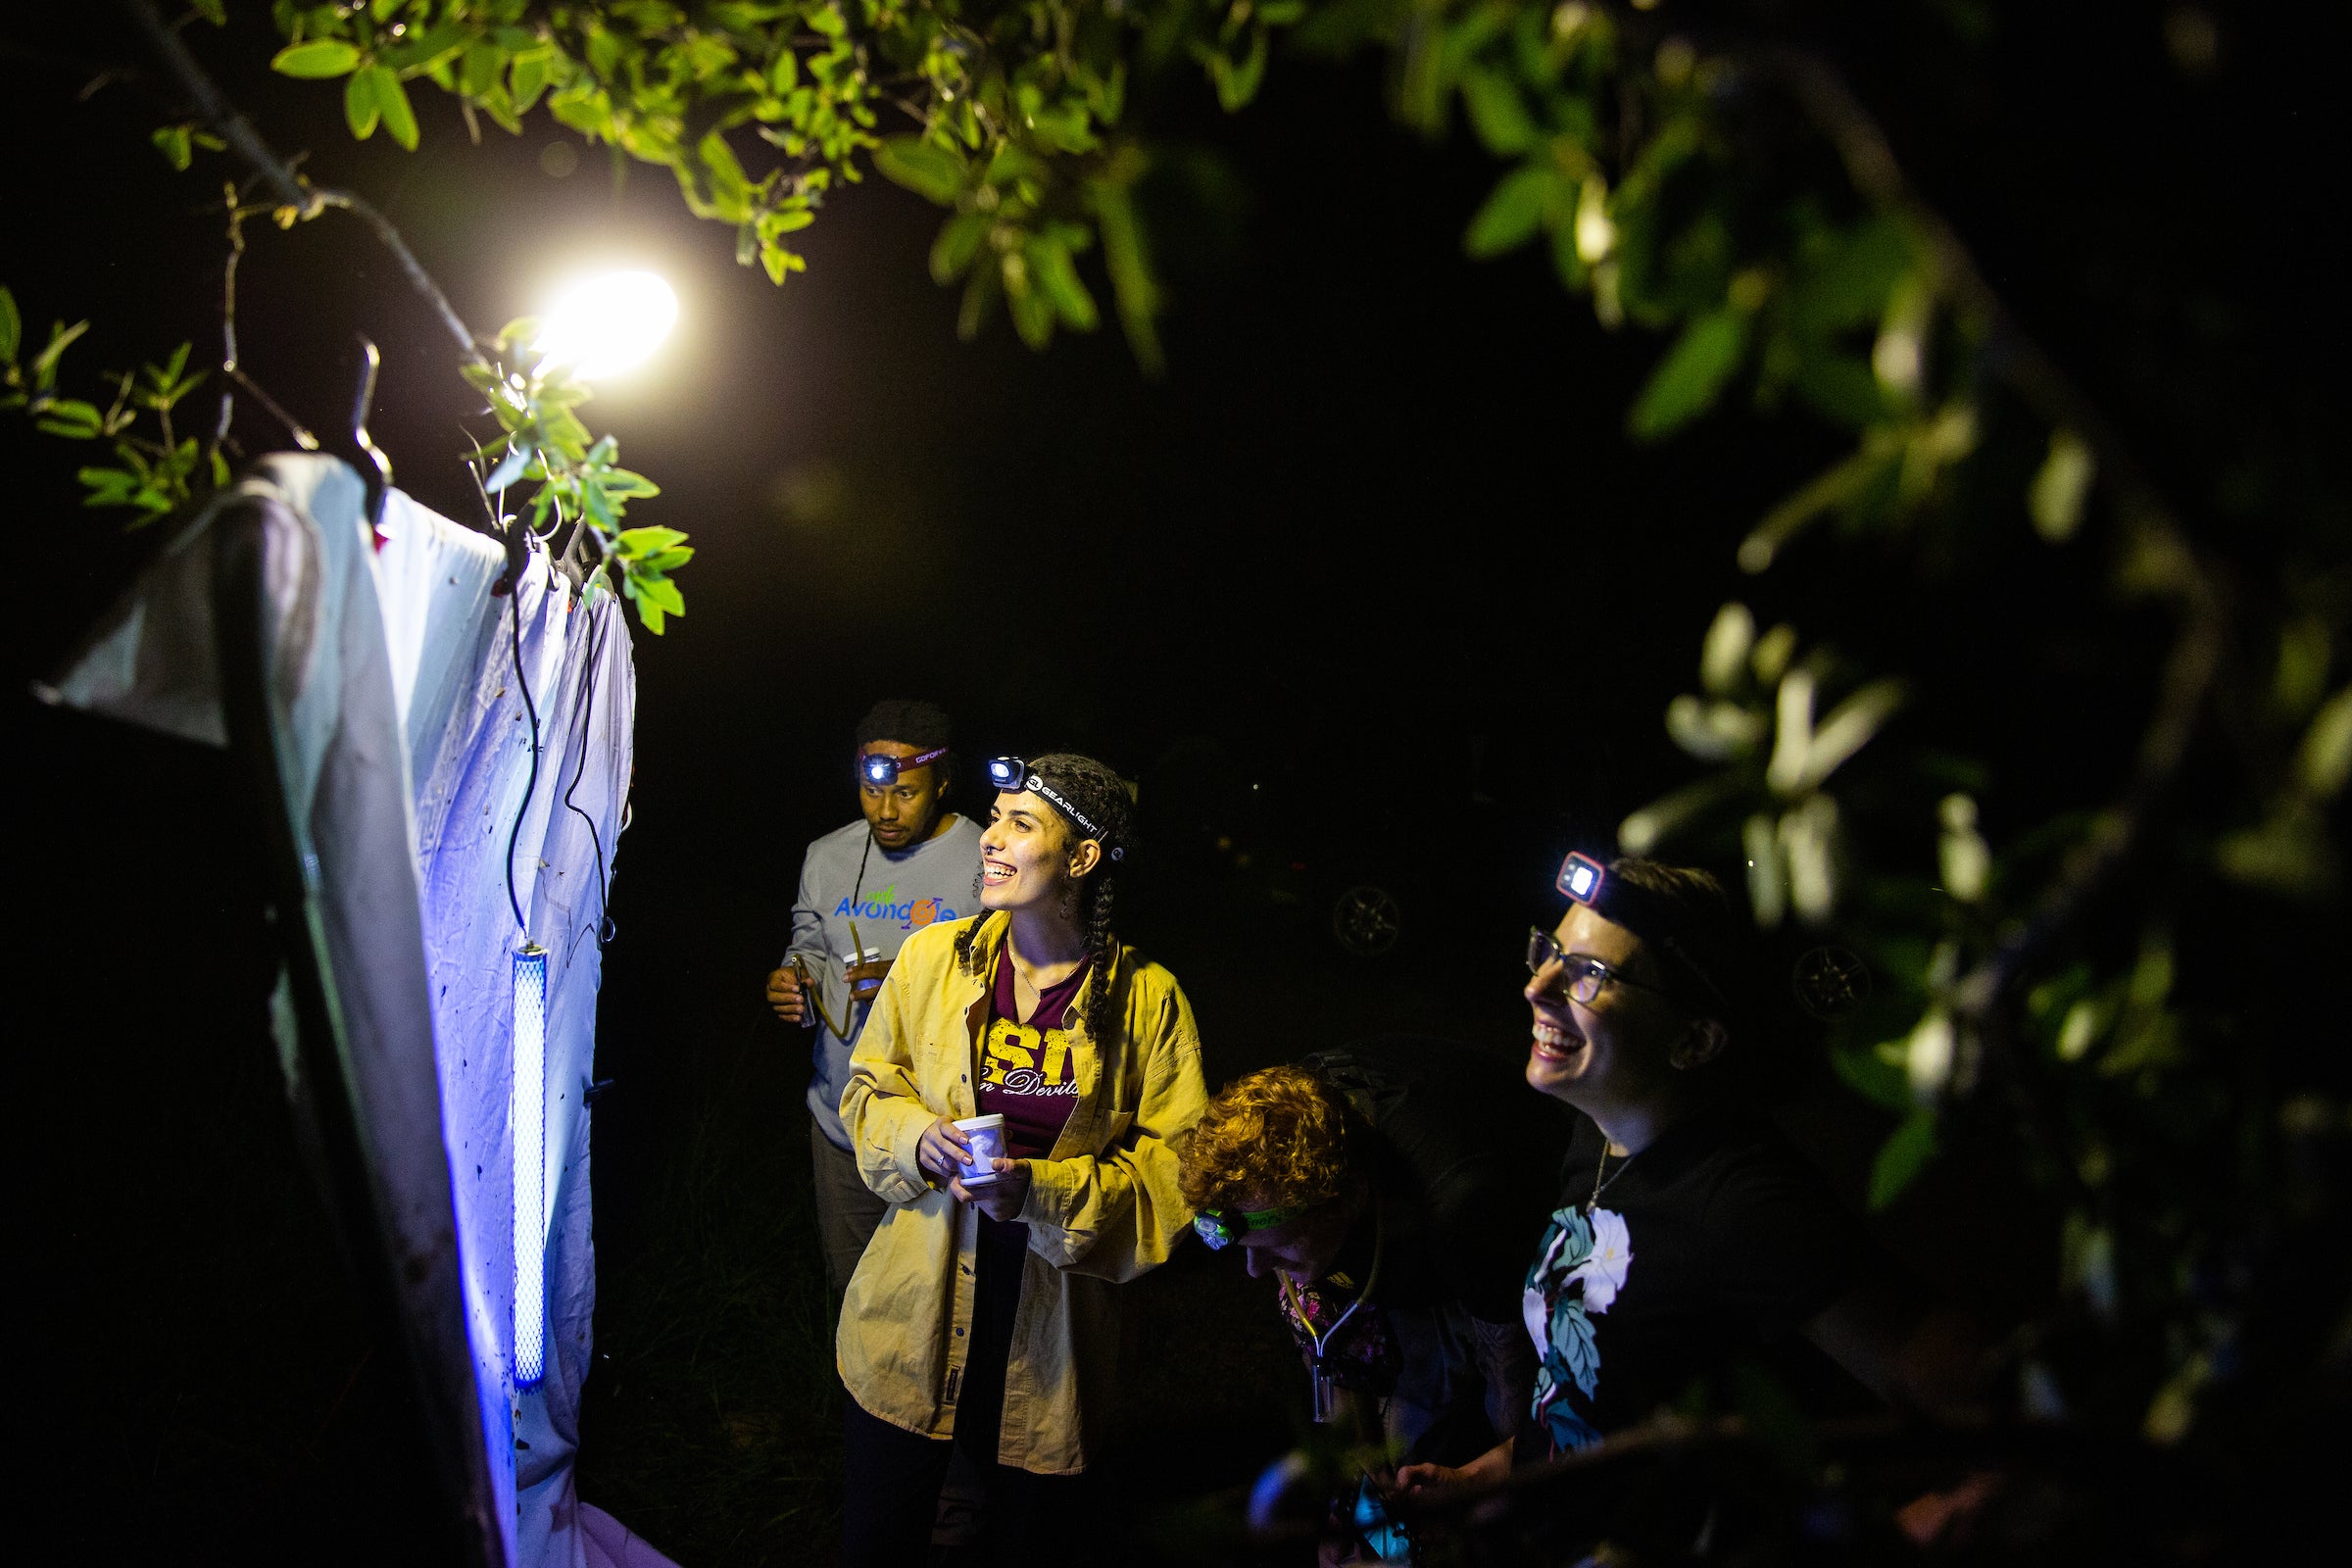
(288, 188)
(2160, 558)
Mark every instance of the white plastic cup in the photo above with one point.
(986, 1136)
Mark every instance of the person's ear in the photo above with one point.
(1084, 857)
(1701, 1043)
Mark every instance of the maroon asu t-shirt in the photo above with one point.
(1026, 1075)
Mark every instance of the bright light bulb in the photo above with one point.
(609, 325)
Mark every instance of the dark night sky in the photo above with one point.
(1377, 538)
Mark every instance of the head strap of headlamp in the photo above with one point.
(1061, 803)
(1660, 923)
(1220, 1228)
(897, 765)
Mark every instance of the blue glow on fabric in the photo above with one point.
(528, 1118)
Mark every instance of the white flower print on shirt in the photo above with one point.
(1603, 1270)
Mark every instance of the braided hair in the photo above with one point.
(1101, 795)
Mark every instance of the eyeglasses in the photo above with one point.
(1220, 1228)
(1582, 976)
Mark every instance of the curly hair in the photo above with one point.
(1279, 1138)
(1099, 792)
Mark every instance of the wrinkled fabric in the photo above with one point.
(406, 750)
(342, 765)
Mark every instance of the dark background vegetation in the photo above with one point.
(1370, 586)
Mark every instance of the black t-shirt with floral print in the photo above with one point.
(1714, 1243)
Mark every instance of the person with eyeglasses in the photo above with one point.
(1392, 1189)
(1689, 1245)
(984, 1316)
(905, 864)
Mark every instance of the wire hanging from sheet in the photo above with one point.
(583, 717)
(515, 598)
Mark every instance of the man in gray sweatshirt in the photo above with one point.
(907, 862)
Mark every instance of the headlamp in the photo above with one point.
(1220, 1228)
(880, 768)
(1581, 878)
(1655, 921)
(1012, 774)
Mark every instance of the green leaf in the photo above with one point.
(622, 483)
(527, 80)
(930, 171)
(1498, 113)
(1848, 281)
(1126, 253)
(418, 55)
(1902, 1158)
(316, 59)
(780, 262)
(670, 560)
(600, 506)
(1052, 269)
(2324, 761)
(479, 68)
(510, 469)
(1874, 1078)
(2055, 498)
(109, 487)
(1237, 82)
(958, 242)
(361, 111)
(664, 593)
(400, 119)
(72, 417)
(44, 364)
(1843, 388)
(1515, 211)
(12, 326)
(1685, 385)
(647, 540)
(215, 12)
(172, 141)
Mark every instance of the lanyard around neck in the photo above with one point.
(1380, 1242)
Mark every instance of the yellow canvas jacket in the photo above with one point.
(1101, 1208)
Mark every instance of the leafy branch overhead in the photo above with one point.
(1011, 114)
(152, 474)
(578, 481)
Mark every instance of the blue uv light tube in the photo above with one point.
(527, 1117)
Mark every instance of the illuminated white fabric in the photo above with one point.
(406, 754)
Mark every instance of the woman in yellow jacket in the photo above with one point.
(984, 1314)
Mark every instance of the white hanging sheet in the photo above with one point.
(409, 761)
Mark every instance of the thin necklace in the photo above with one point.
(1598, 1184)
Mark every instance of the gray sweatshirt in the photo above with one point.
(898, 893)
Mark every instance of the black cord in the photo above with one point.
(584, 717)
(528, 790)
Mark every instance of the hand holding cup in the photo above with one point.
(943, 1149)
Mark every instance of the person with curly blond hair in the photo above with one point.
(1395, 1189)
